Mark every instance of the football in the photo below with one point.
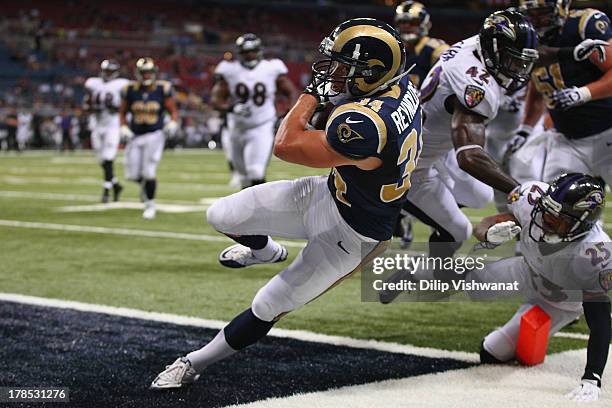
(319, 118)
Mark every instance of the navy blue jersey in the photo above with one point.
(386, 126)
(595, 116)
(146, 104)
(425, 55)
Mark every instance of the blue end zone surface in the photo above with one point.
(110, 361)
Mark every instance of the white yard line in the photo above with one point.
(125, 231)
(218, 324)
(575, 336)
(93, 181)
(35, 195)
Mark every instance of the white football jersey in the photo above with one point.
(105, 100)
(255, 87)
(562, 275)
(458, 72)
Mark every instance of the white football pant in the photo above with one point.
(435, 201)
(105, 141)
(251, 150)
(298, 209)
(591, 155)
(501, 343)
(142, 155)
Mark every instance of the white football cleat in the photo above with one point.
(239, 256)
(149, 212)
(235, 181)
(175, 375)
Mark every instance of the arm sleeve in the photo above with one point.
(596, 26)
(597, 315)
(356, 132)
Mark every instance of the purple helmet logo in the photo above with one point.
(592, 201)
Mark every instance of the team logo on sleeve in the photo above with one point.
(346, 134)
(605, 279)
(514, 195)
(473, 96)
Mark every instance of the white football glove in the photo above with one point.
(502, 232)
(241, 109)
(587, 391)
(171, 128)
(570, 97)
(584, 50)
(519, 138)
(126, 133)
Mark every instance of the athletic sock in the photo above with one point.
(107, 185)
(107, 166)
(115, 180)
(216, 350)
(149, 188)
(268, 252)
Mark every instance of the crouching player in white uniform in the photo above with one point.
(564, 268)
(102, 102)
(245, 91)
(147, 100)
(345, 217)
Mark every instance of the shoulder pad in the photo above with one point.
(356, 131)
(165, 85)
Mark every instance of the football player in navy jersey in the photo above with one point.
(147, 100)
(575, 89)
(372, 141)
(413, 23)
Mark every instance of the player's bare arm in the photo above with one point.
(310, 148)
(87, 102)
(170, 105)
(123, 108)
(468, 134)
(286, 88)
(587, 49)
(602, 88)
(220, 96)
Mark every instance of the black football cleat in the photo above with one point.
(117, 189)
(105, 196)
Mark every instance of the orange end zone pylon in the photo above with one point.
(533, 337)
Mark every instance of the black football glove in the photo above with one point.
(315, 88)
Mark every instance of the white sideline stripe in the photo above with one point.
(218, 324)
(125, 231)
(482, 386)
